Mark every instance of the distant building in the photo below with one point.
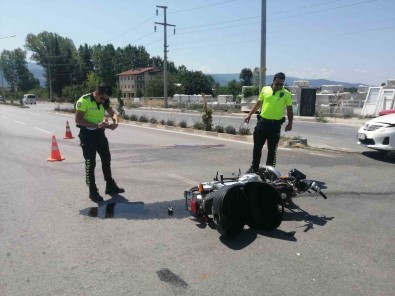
(136, 79)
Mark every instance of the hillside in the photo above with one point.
(223, 79)
(38, 72)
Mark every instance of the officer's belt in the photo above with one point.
(271, 120)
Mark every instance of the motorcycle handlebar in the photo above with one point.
(317, 189)
(322, 194)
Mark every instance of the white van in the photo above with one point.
(29, 99)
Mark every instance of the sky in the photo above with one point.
(342, 40)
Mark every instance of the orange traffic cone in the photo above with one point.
(68, 134)
(55, 153)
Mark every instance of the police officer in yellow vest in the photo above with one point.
(90, 119)
(272, 101)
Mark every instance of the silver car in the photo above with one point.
(378, 133)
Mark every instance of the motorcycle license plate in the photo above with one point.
(361, 136)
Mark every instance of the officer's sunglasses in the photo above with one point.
(278, 84)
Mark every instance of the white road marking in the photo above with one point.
(181, 178)
(324, 155)
(5, 117)
(42, 130)
(20, 122)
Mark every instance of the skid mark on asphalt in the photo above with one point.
(181, 178)
(166, 275)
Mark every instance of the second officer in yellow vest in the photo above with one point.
(272, 101)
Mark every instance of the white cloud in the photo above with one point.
(311, 73)
(360, 71)
(205, 69)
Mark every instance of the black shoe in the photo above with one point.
(251, 170)
(112, 188)
(94, 195)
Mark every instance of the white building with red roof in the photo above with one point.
(136, 79)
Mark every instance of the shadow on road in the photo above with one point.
(247, 236)
(119, 207)
(388, 157)
(294, 213)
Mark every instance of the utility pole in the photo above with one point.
(50, 80)
(2, 74)
(49, 71)
(165, 25)
(262, 72)
(2, 85)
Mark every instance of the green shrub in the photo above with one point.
(219, 129)
(199, 125)
(183, 124)
(170, 123)
(320, 118)
(163, 122)
(125, 116)
(230, 130)
(153, 120)
(133, 117)
(244, 130)
(143, 118)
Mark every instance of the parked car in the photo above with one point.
(378, 133)
(386, 112)
(29, 99)
(1, 99)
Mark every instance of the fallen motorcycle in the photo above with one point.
(254, 199)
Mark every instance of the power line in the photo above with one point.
(372, 30)
(7, 37)
(258, 16)
(147, 20)
(233, 26)
(131, 29)
(213, 24)
(303, 7)
(210, 5)
(325, 10)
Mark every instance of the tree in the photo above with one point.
(139, 93)
(85, 63)
(251, 91)
(156, 62)
(57, 55)
(195, 82)
(207, 116)
(246, 77)
(92, 81)
(155, 87)
(14, 66)
(234, 88)
(103, 60)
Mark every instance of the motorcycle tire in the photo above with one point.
(229, 209)
(265, 208)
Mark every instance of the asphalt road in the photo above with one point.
(55, 241)
(322, 135)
